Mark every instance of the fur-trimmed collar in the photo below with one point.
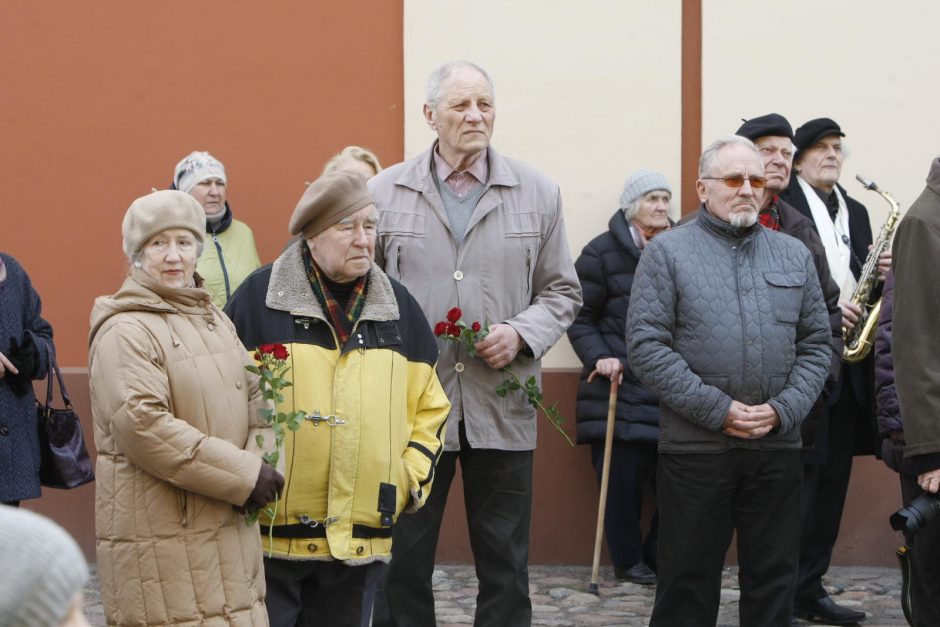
(289, 290)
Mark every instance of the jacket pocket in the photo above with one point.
(403, 237)
(182, 503)
(785, 290)
(522, 224)
(403, 223)
(523, 236)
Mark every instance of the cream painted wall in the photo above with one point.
(869, 65)
(586, 92)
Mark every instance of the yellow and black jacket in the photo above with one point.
(375, 411)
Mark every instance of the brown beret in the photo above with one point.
(158, 212)
(329, 199)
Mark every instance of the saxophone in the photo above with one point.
(859, 341)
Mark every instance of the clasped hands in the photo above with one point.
(749, 422)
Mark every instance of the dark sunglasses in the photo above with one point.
(737, 180)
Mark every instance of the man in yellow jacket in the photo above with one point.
(362, 361)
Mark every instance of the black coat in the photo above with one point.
(21, 322)
(859, 224)
(859, 376)
(605, 268)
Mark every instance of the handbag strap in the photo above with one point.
(53, 366)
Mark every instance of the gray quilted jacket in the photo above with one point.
(721, 313)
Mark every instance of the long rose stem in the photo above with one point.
(537, 404)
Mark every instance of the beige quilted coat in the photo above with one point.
(174, 410)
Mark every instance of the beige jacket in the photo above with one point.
(173, 411)
(512, 266)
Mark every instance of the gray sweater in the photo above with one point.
(721, 313)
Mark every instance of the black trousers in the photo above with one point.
(702, 499)
(498, 498)
(823, 497)
(925, 563)
(315, 593)
(632, 466)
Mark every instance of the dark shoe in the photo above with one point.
(825, 610)
(638, 573)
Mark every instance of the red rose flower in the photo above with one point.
(266, 349)
(440, 329)
(454, 315)
(453, 329)
(280, 352)
(257, 356)
(475, 327)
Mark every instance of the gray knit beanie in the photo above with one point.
(641, 183)
(158, 212)
(45, 569)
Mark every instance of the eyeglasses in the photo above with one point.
(737, 180)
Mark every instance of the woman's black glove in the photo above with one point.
(267, 488)
(24, 355)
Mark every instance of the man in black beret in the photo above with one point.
(844, 228)
(773, 136)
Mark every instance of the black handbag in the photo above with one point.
(64, 461)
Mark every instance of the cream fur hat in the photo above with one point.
(157, 212)
(45, 569)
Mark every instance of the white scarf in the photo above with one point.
(834, 236)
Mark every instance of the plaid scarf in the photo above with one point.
(770, 217)
(343, 320)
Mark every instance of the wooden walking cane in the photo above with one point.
(605, 476)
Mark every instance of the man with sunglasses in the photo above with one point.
(845, 231)
(727, 325)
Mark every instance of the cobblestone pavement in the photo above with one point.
(560, 597)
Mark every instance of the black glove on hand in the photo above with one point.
(25, 357)
(267, 488)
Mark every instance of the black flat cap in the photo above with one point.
(772, 124)
(810, 133)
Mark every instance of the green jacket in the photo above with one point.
(915, 347)
(229, 256)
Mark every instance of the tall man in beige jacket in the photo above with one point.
(462, 226)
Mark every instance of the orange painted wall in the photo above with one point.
(99, 100)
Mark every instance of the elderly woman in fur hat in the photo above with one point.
(362, 360)
(174, 411)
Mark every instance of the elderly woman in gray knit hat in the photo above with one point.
(174, 412)
(605, 268)
(45, 572)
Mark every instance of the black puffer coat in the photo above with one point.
(606, 268)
